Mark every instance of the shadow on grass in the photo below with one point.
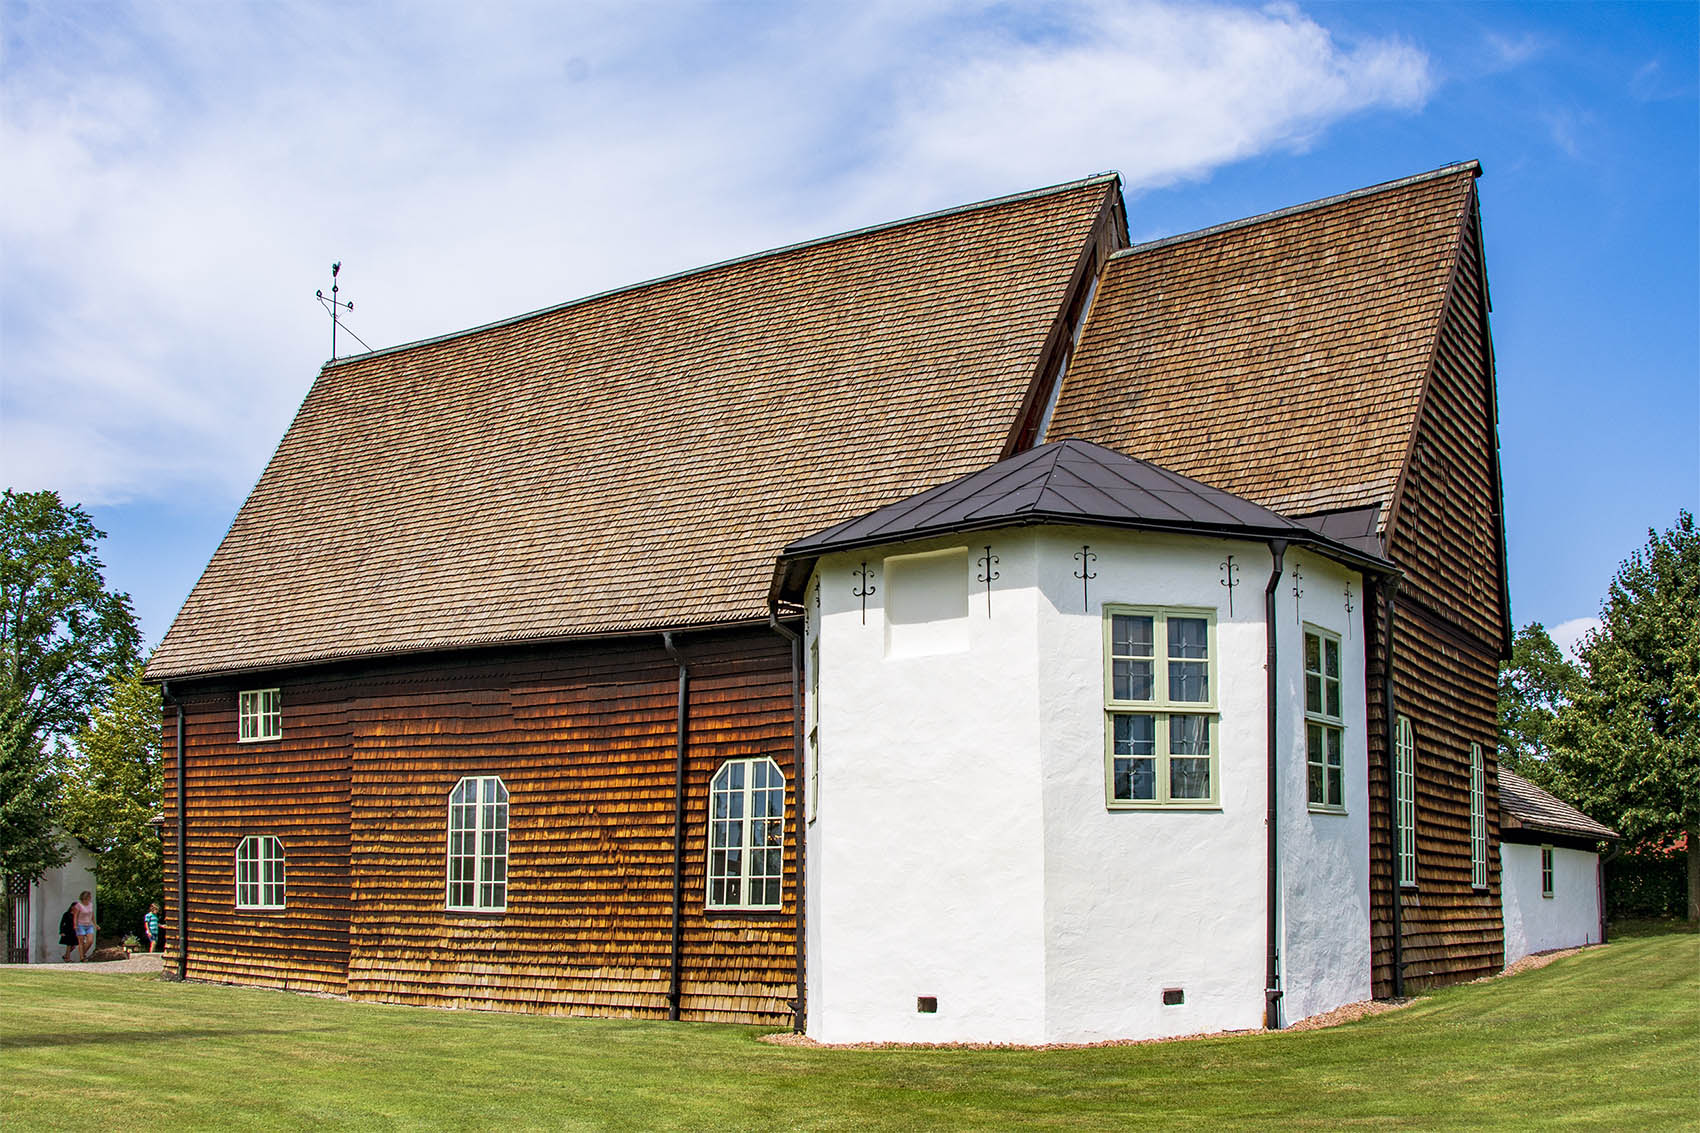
(1634, 928)
(153, 1037)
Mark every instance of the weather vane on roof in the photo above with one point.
(336, 307)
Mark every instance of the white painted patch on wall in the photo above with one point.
(926, 606)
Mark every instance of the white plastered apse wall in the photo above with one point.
(1324, 856)
(962, 847)
(925, 856)
(1533, 923)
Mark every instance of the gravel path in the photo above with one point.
(143, 962)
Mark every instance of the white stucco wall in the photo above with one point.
(925, 857)
(962, 846)
(51, 896)
(1533, 923)
(1324, 860)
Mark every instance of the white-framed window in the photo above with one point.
(746, 835)
(1546, 871)
(259, 872)
(1405, 798)
(1161, 724)
(1325, 726)
(259, 715)
(478, 845)
(1478, 819)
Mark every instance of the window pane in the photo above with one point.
(1135, 735)
(1331, 658)
(1313, 653)
(1188, 637)
(1334, 699)
(1313, 693)
(1336, 787)
(1135, 779)
(1130, 635)
(1314, 782)
(1189, 681)
(1189, 735)
(1132, 680)
(1189, 778)
(1335, 735)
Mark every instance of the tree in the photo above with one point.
(1533, 686)
(1627, 748)
(29, 845)
(62, 633)
(112, 786)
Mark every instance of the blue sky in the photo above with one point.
(180, 175)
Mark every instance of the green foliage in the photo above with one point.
(112, 785)
(28, 790)
(1537, 682)
(62, 633)
(1627, 748)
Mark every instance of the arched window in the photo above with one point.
(259, 872)
(746, 835)
(478, 845)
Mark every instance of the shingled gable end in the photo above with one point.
(532, 562)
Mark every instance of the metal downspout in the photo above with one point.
(1272, 966)
(1391, 587)
(182, 841)
(797, 772)
(676, 959)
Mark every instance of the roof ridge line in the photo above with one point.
(1105, 177)
(1472, 166)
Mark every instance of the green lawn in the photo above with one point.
(1609, 1038)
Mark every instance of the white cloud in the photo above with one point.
(1568, 635)
(179, 177)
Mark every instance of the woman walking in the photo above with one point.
(83, 915)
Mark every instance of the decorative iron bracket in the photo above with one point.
(1085, 574)
(1298, 593)
(865, 588)
(1349, 609)
(1230, 579)
(987, 561)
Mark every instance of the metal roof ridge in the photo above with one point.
(1105, 177)
(1473, 166)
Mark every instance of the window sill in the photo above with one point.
(453, 912)
(730, 912)
(1318, 808)
(259, 740)
(273, 909)
(1188, 806)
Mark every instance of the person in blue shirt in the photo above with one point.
(150, 928)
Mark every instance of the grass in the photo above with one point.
(1609, 1038)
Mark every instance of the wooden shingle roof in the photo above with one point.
(1526, 808)
(636, 459)
(1282, 357)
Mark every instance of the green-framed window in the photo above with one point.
(1478, 819)
(1161, 728)
(1546, 871)
(1325, 726)
(1405, 798)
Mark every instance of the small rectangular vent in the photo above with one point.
(927, 1004)
(1173, 996)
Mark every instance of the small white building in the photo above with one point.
(1038, 750)
(1552, 888)
(33, 909)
